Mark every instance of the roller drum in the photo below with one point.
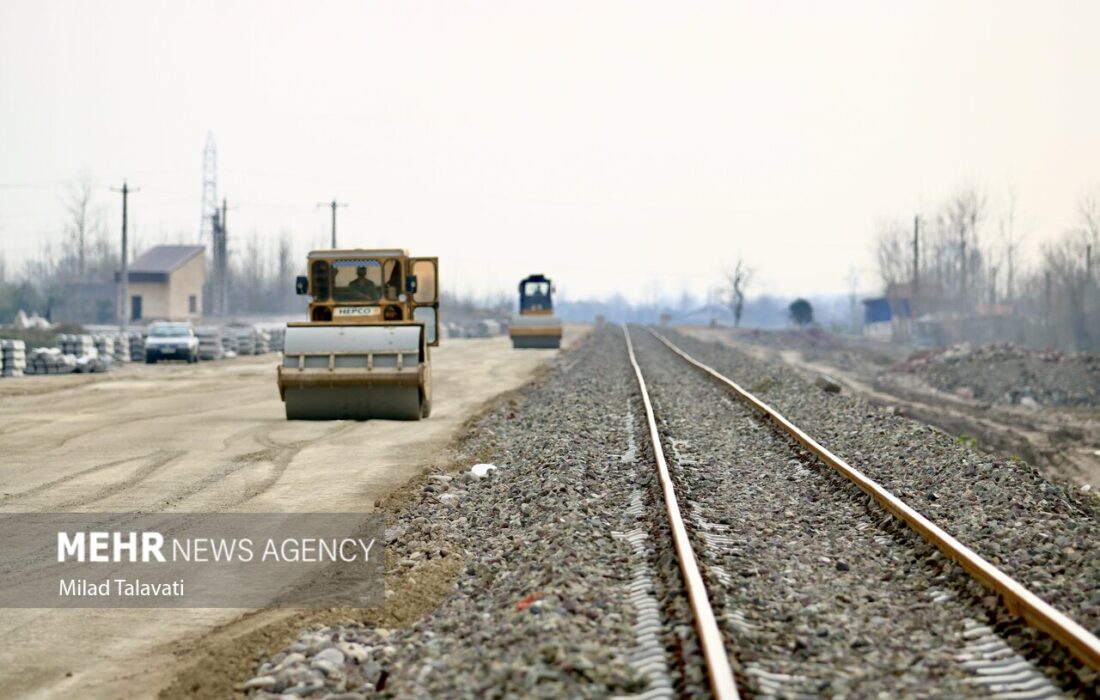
(535, 331)
(355, 372)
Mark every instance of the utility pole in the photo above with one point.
(1046, 298)
(216, 237)
(124, 307)
(219, 246)
(223, 260)
(333, 204)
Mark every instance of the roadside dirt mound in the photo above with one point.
(1007, 373)
(818, 344)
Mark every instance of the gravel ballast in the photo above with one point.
(542, 607)
(821, 593)
(1044, 534)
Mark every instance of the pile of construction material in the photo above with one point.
(13, 358)
(1009, 373)
(488, 328)
(483, 328)
(93, 353)
(211, 346)
(79, 345)
(75, 353)
(104, 345)
(51, 361)
(229, 343)
(122, 347)
(277, 338)
(23, 321)
(137, 346)
(249, 340)
(246, 339)
(263, 341)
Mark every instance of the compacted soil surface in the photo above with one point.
(210, 437)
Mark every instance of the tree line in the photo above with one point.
(959, 269)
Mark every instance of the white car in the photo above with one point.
(171, 341)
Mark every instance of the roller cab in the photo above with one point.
(536, 326)
(364, 351)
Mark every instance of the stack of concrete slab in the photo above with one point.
(79, 345)
(262, 341)
(211, 346)
(488, 328)
(229, 342)
(104, 344)
(50, 361)
(277, 338)
(94, 363)
(122, 347)
(137, 346)
(246, 339)
(104, 358)
(13, 358)
(85, 351)
(485, 328)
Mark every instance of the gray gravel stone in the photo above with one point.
(823, 594)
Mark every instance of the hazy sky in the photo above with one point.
(616, 146)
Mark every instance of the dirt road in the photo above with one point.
(202, 438)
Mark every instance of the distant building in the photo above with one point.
(893, 315)
(166, 284)
(878, 318)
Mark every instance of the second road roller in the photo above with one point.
(535, 326)
(364, 351)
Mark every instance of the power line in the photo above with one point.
(32, 185)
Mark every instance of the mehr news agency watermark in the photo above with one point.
(301, 560)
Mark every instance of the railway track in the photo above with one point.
(813, 578)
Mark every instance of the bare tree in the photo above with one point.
(1056, 301)
(891, 252)
(284, 272)
(250, 277)
(82, 221)
(962, 214)
(687, 300)
(1010, 245)
(737, 281)
(1089, 209)
(1067, 283)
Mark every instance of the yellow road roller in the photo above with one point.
(364, 352)
(535, 326)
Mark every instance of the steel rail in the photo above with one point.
(722, 683)
(1016, 597)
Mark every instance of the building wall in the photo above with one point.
(185, 282)
(170, 300)
(154, 300)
